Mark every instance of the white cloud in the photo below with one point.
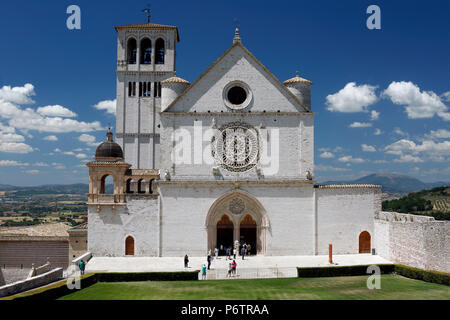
(352, 98)
(374, 115)
(351, 159)
(368, 148)
(51, 138)
(434, 151)
(400, 132)
(56, 111)
(40, 164)
(15, 147)
(320, 167)
(338, 149)
(11, 137)
(438, 134)
(44, 119)
(408, 158)
(326, 155)
(17, 95)
(380, 161)
(13, 163)
(418, 105)
(446, 96)
(378, 132)
(68, 153)
(80, 155)
(88, 139)
(108, 105)
(360, 125)
(58, 166)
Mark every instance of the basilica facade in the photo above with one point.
(225, 160)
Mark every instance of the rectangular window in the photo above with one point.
(134, 89)
(159, 89)
(130, 89)
(144, 89)
(155, 89)
(140, 89)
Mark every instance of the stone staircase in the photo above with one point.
(251, 273)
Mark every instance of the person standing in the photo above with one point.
(243, 252)
(230, 270)
(216, 252)
(203, 272)
(234, 266)
(249, 248)
(228, 253)
(186, 261)
(234, 253)
(209, 261)
(82, 267)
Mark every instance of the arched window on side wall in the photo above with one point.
(146, 51)
(130, 186)
(141, 186)
(159, 51)
(107, 184)
(131, 51)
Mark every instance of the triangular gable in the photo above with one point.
(214, 73)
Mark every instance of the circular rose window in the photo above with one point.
(237, 95)
(235, 147)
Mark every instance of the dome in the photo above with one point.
(175, 79)
(297, 79)
(108, 150)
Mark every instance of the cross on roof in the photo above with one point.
(147, 10)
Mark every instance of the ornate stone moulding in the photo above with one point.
(234, 113)
(348, 186)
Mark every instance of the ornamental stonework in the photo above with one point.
(236, 206)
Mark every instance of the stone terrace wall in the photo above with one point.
(416, 241)
(34, 282)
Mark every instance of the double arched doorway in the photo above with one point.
(237, 217)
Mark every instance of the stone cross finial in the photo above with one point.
(237, 38)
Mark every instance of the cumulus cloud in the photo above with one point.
(374, 115)
(352, 98)
(351, 159)
(360, 125)
(326, 155)
(58, 166)
(15, 147)
(88, 139)
(108, 105)
(368, 148)
(446, 96)
(44, 119)
(409, 150)
(418, 104)
(13, 163)
(17, 95)
(438, 134)
(51, 138)
(408, 158)
(56, 111)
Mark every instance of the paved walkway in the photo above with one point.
(252, 267)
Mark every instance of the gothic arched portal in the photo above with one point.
(241, 212)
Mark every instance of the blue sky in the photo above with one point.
(381, 97)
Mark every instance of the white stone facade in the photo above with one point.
(199, 201)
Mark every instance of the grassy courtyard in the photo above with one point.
(353, 288)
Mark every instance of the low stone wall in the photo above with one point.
(15, 274)
(43, 279)
(85, 257)
(416, 241)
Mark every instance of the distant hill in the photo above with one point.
(393, 183)
(78, 188)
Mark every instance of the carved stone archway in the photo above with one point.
(236, 205)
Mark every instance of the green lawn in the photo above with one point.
(392, 287)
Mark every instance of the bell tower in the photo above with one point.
(145, 57)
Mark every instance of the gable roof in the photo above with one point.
(152, 26)
(235, 44)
